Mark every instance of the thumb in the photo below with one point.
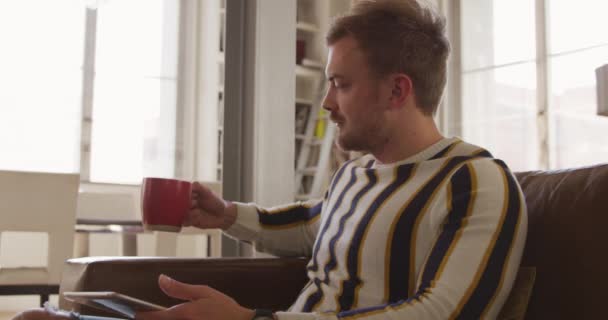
(183, 291)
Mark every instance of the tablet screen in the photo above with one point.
(114, 302)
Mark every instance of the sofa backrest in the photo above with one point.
(567, 242)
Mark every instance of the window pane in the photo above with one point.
(490, 36)
(134, 110)
(577, 24)
(578, 135)
(40, 77)
(499, 108)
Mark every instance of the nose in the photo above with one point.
(329, 101)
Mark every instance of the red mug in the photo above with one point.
(165, 203)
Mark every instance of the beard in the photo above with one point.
(363, 135)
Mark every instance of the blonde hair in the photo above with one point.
(400, 36)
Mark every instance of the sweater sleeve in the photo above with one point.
(288, 230)
(473, 262)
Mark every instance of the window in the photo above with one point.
(40, 84)
(512, 60)
(578, 44)
(89, 90)
(135, 87)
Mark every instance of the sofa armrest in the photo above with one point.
(272, 283)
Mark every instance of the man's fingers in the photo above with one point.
(202, 219)
(203, 303)
(192, 218)
(183, 291)
(199, 190)
(179, 311)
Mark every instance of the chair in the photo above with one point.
(38, 202)
(101, 205)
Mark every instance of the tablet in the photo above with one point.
(113, 302)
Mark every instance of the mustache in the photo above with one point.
(334, 117)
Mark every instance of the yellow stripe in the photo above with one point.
(447, 153)
(360, 253)
(463, 225)
(391, 233)
(426, 260)
(504, 267)
(360, 249)
(360, 258)
(449, 197)
(412, 275)
(477, 275)
(486, 255)
(478, 151)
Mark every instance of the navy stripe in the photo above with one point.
(337, 178)
(351, 313)
(484, 154)
(346, 299)
(443, 152)
(315, 298)
(489, 281)
(314, 267)
(462, 185)
(399, 266)
(296, 214)
(308, 284)
(315, 211)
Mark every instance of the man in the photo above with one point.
(421, 227)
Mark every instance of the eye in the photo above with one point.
(340, 84)
(337, 84)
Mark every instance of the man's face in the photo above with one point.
(354, 98)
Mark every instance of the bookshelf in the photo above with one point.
(313, 135)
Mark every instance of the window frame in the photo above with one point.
(187, 144)
(453, 101)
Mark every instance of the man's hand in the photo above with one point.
(204, 303)
(209, 211)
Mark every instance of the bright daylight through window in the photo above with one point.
(505, 78)
(40, 109)
(131, 107)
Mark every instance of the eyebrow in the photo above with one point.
(334, 76)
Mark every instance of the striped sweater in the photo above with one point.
(437, 236)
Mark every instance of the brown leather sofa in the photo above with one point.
(567, 244)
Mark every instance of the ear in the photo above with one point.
(402, 89)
